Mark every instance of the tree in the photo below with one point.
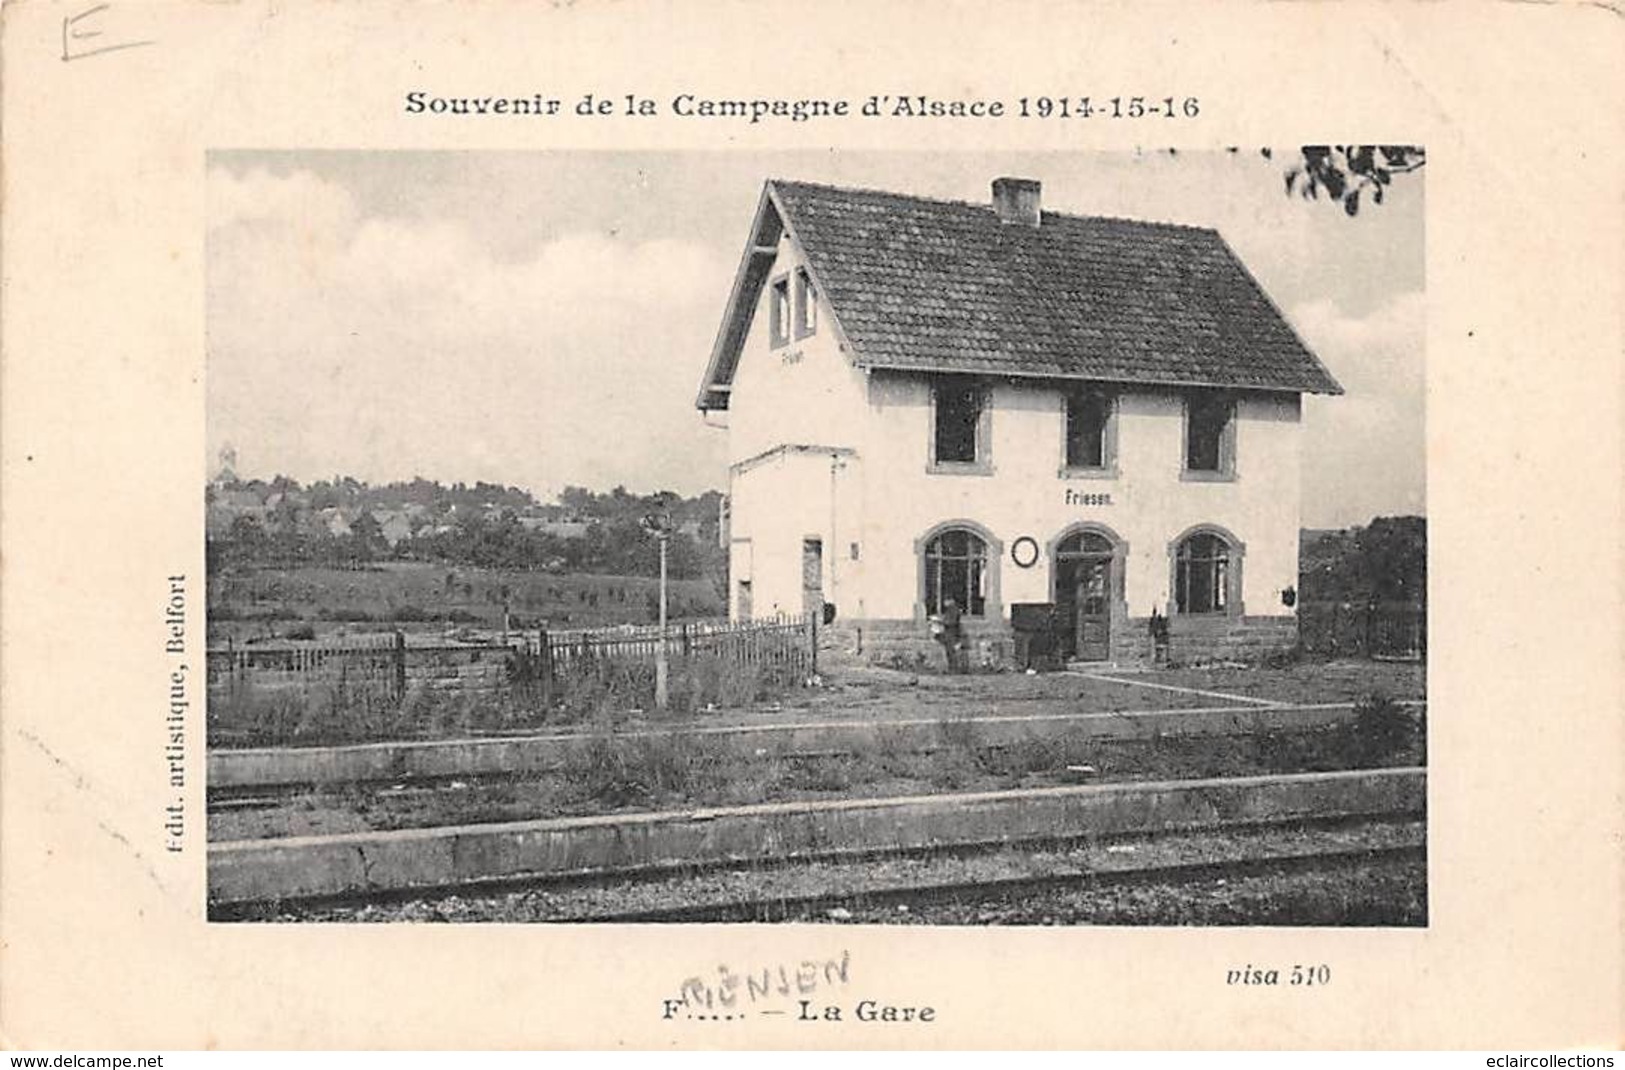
(1385, 561)
(1346, 172)
(369, 537)
(1393, 559)
(577, 501)
(246, 531)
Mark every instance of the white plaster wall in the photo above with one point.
(1026, 495)
(779, 503)
(741, 566)
(805, 391)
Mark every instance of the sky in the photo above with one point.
(543, 319)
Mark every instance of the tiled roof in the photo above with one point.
(945, 286)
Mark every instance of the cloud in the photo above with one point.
(1368, 353)
(301, 201)
(1365, 452)
(385, 347)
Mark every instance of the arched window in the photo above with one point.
(956, 569)
(1205, 575)
(1083, 542)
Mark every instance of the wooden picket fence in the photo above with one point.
(785, 640)
(1385, 630)
(782, 648)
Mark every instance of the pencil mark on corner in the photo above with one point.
(83, 785)
(73, 33)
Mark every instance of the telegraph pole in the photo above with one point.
(660, 659)
(660, 528)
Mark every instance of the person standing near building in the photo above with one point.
(950, 634)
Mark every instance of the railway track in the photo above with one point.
(425, 857)
(265, 797)
(730, 891)
(914, 897)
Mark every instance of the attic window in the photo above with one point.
(806, 304)
(1210, 436)
(779, 311)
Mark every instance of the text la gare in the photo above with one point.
(866, 1010)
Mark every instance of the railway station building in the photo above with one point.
(1074, 420)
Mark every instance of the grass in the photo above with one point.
(642, 772)
(619, 692)
(358, 705)
(695, 685)
(1304, 680)
(355, 709)
(607, 772)
(873, 693)
(268, 602)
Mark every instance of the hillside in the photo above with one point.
(345, 522)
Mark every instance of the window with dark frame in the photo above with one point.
(958, 418)
(779, 312)
(1088, 416)
(1202, 571)
(806, 304)
(1208, 418)
(956, 568)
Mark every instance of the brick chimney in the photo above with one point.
(1016, 200)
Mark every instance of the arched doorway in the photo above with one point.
(1087, 567)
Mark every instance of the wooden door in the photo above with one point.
(1092, 608)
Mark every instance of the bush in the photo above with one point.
(822, 773)
(640, 771)
(961, 734)
(223, 613)
(1284, 659)
(964, 756)
(354, 704)
(252, 716)
(345, 614)
(619, 685)
(1383, 729)
(1044, 754)
(707, 680)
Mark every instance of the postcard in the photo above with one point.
(756, 526)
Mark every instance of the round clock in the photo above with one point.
(1024, 551)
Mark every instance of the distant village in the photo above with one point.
(344, 521)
